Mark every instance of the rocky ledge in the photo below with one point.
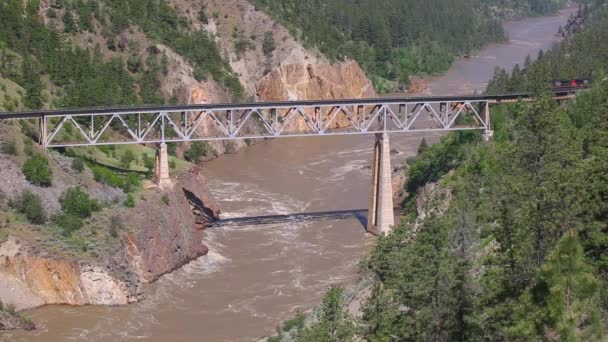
(161, 233)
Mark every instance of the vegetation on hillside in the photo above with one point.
(31, 52)
(521, 253)
(393, 39)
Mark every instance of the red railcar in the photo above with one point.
(578, 83)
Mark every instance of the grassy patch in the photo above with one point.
(111, 156)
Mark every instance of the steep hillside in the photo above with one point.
(74, 232)
(504, 240)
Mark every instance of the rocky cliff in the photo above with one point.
(315, 81)
(161, 234)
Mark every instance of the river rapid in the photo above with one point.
(256, 276)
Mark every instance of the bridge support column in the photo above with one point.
(488, 132)
(42, 132)
(381, 217)
(161, 168)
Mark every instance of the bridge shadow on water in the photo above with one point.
(359, 214)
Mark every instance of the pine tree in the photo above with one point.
(380, 320)
(334, 324)
(564, 299)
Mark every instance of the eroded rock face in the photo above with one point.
(315, 82)
(100, 288)
(433, 200)
(163, 237)
(172, 236)
(303, 81)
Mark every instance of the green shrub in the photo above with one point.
(36, 170)
(172, 164)
(165, 199)
(126, 159)
(31, 205)
(68, 223)
(148, 162)
(9, 147)
(197, 151)
(78, 203)
(104, 175)
(296, 322)
(77, 165)
(132, 182)
(130, 201)
(105, 149)
(28, 130)
(28, 147)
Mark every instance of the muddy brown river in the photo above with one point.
(257, 276)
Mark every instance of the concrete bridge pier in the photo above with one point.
(161, 168)
(42, 132)
(381, 217)
(487, 132)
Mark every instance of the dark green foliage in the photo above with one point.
(68, 223)
(9, 147)
(165, 199)
(131, 182)
(76, 202)
(268, 45)
(380, 316)
(172, 164)
(391, 39)
(69, 23)
(31, 206)
(126, 159)
(197, 151)
(333, 324)
(296, 323)
(147, 161)
(37, 171)
(563, 299)
(29, 131)
(106, 176)
(130, 201)
(202, 14)
(77, 165)
(436, 161)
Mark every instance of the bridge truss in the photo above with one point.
(260, 121)
(163, 124)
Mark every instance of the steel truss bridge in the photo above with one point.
(207, 122)
(163, 124)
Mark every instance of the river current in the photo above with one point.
(256, 276)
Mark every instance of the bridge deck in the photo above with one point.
(564, 93)
(260, 120)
